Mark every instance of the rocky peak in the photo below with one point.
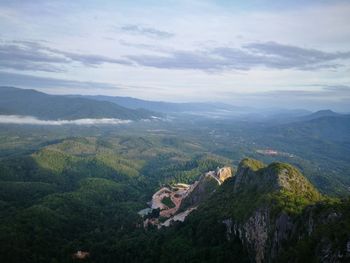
(246, 173)
(274, 177)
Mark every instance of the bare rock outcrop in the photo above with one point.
(205, 186)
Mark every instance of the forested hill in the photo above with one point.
(265, 213)
(84, 193)
(15, 101)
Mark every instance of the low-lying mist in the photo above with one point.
(30, 120)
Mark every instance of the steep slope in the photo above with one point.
(14, 101)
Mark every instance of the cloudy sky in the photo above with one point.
(292, 54)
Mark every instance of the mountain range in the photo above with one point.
(216, 109)
(170, 107)
(14, 101)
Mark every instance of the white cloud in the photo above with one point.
(17, 119)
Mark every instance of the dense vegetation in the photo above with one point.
(203, 237)
(73, 194)
(64, 189)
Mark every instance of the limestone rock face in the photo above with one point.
(261, 237)
(224, 173)
(256, 234)
(282, 231)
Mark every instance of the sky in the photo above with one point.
(291, 54)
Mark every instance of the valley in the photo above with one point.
(177, 183)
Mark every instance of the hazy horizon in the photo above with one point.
(241, 105)
(258, 54)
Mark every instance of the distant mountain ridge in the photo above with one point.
(333, 126)
(171, 107)
(15, 101)
(320, 114)
(217, 109)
